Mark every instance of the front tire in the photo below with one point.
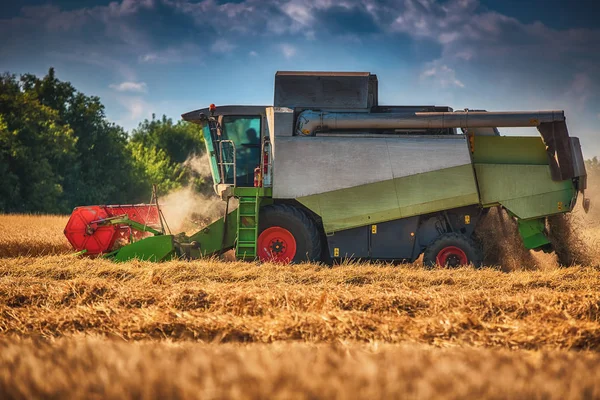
(452, 250)
(287, 235)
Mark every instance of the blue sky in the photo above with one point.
(172, 56)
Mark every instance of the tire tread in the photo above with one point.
(452, 239)
(286, 211)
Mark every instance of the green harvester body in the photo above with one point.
(375, 182)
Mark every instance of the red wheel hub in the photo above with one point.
(276, 244)
(451, 256)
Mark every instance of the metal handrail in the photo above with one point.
(222, 163)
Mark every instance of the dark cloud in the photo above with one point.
(458, 43)
(12, 8)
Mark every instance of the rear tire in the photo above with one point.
(452, 250)
(287, 235)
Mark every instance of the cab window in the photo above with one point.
(244, 131)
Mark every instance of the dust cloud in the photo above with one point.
(499, 236)
(200, 165)
(187, 210)
(577, 234)
(575, 237)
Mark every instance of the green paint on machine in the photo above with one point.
(394, 199)
(239, 230)
(527, 191)
(509, 150)
(211, 240)
(532, 232)
(152, 248)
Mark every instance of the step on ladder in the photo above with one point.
(247, 227)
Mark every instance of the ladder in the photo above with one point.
(247, 227)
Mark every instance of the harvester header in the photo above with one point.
(327, 173)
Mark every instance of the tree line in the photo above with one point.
(58, 150)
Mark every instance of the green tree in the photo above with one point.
(157, 168)
(103, 170)
(58, 150)
(179, 141)
(161, 148)
(35, 149)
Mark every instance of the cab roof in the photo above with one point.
(198, 116)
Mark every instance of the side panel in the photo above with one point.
(509, 150)
(396, 198)
(152, 248)
(350, 243)
(527, 191)
(210, 239)
(305, 166)
(394, 240)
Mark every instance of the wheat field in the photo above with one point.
(87, 328)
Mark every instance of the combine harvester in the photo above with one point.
(327, 173)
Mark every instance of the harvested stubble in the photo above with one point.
(93, 368)
(244, 302)
(80, 328)
(32, 235)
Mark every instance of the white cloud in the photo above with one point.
(128, 7)
(149, 58)
(442, 75)
(222, 46)
(137, 109)
(299, 12)
(464, 55)
(185, 52)
(253, 53)
(448, 37)
(136, 87)
(288, 50)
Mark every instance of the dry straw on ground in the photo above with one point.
(32, 235)
(82, 328)
(243, 302)
(93, 368)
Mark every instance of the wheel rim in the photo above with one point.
(451, 256)
(276, 244)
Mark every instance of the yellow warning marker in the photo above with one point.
(560, 206)
(336, 251)
(373, 229)
(467, 219)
